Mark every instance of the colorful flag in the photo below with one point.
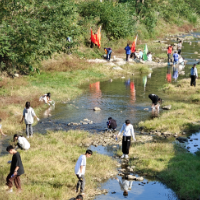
(145, 53)
(134, 45)
(96, 38)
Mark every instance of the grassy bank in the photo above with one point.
(172, 164)
(49, 167)
(61, 76)
(185, 113)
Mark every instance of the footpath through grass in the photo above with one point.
(49, 167)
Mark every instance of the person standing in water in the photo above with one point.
(193, 75)
(128, 131)
(128, 52)
(169, 52)
(155, 100)
(28, 117)
(179, 47)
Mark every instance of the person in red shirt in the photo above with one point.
(169, 52)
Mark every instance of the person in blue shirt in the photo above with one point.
(175, 56)
(128, 52)
(193, 75)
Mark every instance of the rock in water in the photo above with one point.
(182, 139)
(168, 107)
(96, 109)
(131, 177)
(139, 178)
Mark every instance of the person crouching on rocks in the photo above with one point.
(46, 98)
(111, 124)
(155, 101)
(128, 131)
(22, 142)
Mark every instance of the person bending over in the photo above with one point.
(16, 170)
(128, 131)
(155, 100)
(111, 123)
(22, 142)
(80, 171)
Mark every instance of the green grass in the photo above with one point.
(49, 167)
(171, 164)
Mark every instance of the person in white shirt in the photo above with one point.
(22, 142)
(46, 98)
(128, 131)
(28, 117)
(149, 56)
(80, 171)
(1, 129)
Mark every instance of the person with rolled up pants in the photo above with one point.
(128, 131)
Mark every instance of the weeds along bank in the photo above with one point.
(61, 76)
(185, 112)
(171, 164)
(49, 167)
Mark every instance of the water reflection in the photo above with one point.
(175, 73)
(96, 93)
(168, 76)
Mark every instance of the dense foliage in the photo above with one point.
(31, 31)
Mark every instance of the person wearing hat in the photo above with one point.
(22, 142)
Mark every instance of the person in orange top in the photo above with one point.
(169, 52)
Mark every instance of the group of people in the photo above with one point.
(177, 58)
(136, 54)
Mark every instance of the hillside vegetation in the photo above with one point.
(31, 31)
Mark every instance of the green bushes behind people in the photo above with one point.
(31, 31)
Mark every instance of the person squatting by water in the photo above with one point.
(111, 124)
(193, 75)
(155, 101)
(16, 170)
(80, 171)
(125, 185)
(22, 142)
(1, 129)
(128, 52)
(128, 131)
(46, 98)
(108, 52)
(28, 117)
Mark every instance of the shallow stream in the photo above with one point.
(121, 99)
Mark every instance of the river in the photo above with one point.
(121, 99)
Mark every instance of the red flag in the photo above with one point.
(134, 45)
(96, 38)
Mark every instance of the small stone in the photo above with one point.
(146, 109)
(16, 75)
(168, 107)
(139, 178)
(131, 177)
(182, 139)
(96, 109)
